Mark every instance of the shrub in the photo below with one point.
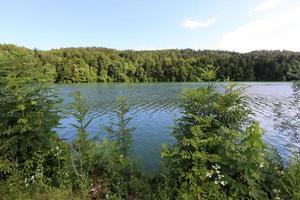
(219, 152)
(28, 115)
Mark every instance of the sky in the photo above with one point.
(235, 25)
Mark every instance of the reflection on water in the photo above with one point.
(154, 107)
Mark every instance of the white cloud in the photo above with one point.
(275, 30)
(267, 5)
(193, 24)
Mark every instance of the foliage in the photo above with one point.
(290, 181)
(219, 152)
(32, 156)
(82, 148)
(287, 122)
(78, 65)
(127, 172)
(101, 167)
(26, 138)
(123, 134)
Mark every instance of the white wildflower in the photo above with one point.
(223, 183)
(281, 172)
(261, 165)
(208, 174)
(216, 166)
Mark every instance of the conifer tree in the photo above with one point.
(219, 151)
(122, 134)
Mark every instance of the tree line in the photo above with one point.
(80, 65)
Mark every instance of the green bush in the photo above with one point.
(219, 153)
(290, 181)
(27, 117)
(103, 168)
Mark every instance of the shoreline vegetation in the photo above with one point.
(218, 154)
(92, 64)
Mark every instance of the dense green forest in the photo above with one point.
(74, 65)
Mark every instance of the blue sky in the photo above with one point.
(238, 25)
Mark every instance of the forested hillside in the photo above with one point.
(74, 65)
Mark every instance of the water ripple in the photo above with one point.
(154, 107)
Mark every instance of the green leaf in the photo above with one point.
(22, 121)
(21, 107)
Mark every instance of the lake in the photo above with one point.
(154, 108)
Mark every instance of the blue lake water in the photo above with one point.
(155, 107)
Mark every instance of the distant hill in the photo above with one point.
(92, 64)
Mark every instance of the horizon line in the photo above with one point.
(141, 50)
